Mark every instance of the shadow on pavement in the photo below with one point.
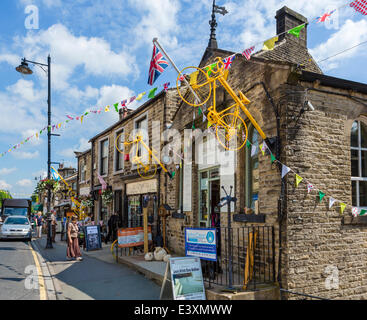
(96, 279)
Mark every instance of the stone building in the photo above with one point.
(317, 250)
(120, 173)
(84, 177)
(306, 247)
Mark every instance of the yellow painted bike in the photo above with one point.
(147, 168)
(231, 129)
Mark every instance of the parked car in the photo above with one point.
(16, 227)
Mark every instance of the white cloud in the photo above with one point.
(4, 185)
(25, 183)
(25, 155)
(69, 52)
(349, 35)
(6, 171)
(160, 20)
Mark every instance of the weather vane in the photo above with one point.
(213, 24)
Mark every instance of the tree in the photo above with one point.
(4, 194)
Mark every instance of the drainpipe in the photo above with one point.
(91, 178)
(282, 192)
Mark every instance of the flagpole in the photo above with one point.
(155, 41)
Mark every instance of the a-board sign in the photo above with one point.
(183, 280)
(201, 242)
(93, 238)
(132, 237)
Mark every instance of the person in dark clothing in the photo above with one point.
(112, 227)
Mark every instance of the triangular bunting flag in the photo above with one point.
(354, 211)
(331, 202)
(272, 158)
(116, 105)
(269, 44)
(152, 93)
(107, 109)
(298, 180)
(248, 144)
(285, 170)
(210, 68)
(309, 187)
(321, 195)
(140, 96)
(363, 212)
(342, 207)
(253, 150)
(296, 31)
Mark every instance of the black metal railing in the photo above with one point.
(246, 258)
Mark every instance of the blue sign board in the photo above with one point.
(202, 243)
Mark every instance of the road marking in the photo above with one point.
(41, 283)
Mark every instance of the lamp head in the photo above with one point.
(23, 68)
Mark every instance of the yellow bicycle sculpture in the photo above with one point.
(228, 122)
(146, 169)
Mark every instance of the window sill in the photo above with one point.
(355, 220)
(258, 218)
(118, 172)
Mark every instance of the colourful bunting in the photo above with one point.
(273, 159)
(342, 207)
(321, 195)
(269, 44)
(331, 202)
(363, 212)
(309, 187)
(253, 150)
(107, 109)
(140, 96)
(355, 212)
(152, 93)
(296, 31)
(248, 52)
(248, 144)
(285, 170)
(360, 6)
(298, 180)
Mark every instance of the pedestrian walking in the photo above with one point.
(39, 221)
(53, 225)
(63, 229)
(73, 249)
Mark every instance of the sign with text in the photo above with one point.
(93, 238)
(187, 279)
(132, 237)
(202, 243)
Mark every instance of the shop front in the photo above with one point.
(136, 194)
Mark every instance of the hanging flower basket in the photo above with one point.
(107, 196)
(87, 203)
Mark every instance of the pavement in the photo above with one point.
(97, 277)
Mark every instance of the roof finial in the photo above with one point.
(213, 24)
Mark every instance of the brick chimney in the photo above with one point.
(288, 19)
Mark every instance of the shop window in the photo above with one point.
(103, 157)
(209, 197)
(83, 170)
(252, 171)
(359, 164)
(119, 158)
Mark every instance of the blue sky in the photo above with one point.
(101, 51)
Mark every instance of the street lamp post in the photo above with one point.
(24, 69)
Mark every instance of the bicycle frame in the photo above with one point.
(221, 77)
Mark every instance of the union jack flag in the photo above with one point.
(157, 65)
(228, 61)
(166, 85)
(324, 17)
(123, 103)
(360, 6)
(248, 52)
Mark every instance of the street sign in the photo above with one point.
(201, 242)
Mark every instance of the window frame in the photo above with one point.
(359, 149)
(117, 154)
(100, 142)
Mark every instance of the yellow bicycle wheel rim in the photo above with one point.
(147, 171)
(201, 87)
(230, 129)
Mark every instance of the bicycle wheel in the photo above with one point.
(231, 131)
(147, 171)
(196, 92)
